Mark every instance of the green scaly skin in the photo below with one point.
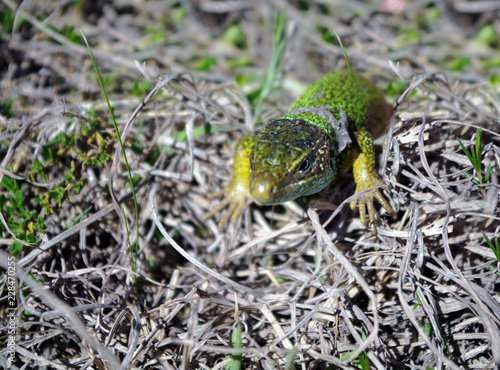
(297, 155)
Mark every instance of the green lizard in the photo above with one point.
(301, 153)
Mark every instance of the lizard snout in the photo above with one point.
(263, 188)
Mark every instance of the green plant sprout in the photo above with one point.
(419, 302)
(237, 356)
(58, 194)
(427, 328)
(290, 359)
(475, 159)
(495, 247)
(279, 43)
(343, 50)
(23, 223)
(362, 361)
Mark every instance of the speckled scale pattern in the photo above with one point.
(362, 101)
(279, 152)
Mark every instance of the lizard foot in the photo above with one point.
(234, 201)
(365, 202)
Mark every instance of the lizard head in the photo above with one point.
(290, 158)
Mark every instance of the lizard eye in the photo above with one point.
(304, 166)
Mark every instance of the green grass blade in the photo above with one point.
(101, 83)
(494, 247)
(279, 44)
(479, 138)
(237, 356)
(343, 50)
(487, 174)
(466, 151)
(290, 358)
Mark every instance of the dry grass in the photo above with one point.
(310, 284)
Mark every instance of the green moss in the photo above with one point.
(7, 19)
(205, 64)
(459, 64)
(6, 108)
(395, 88)
(234, 36)
(495, 79)
(142, 87)
(432, 14)
(70, 33)
(487, 35)
(178, 14)
(326, 35)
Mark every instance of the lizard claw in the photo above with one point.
(234, 201)
(365, 202)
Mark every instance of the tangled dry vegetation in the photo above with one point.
(102, 283)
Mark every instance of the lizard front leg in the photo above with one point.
(366, 178)
(237, 192)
